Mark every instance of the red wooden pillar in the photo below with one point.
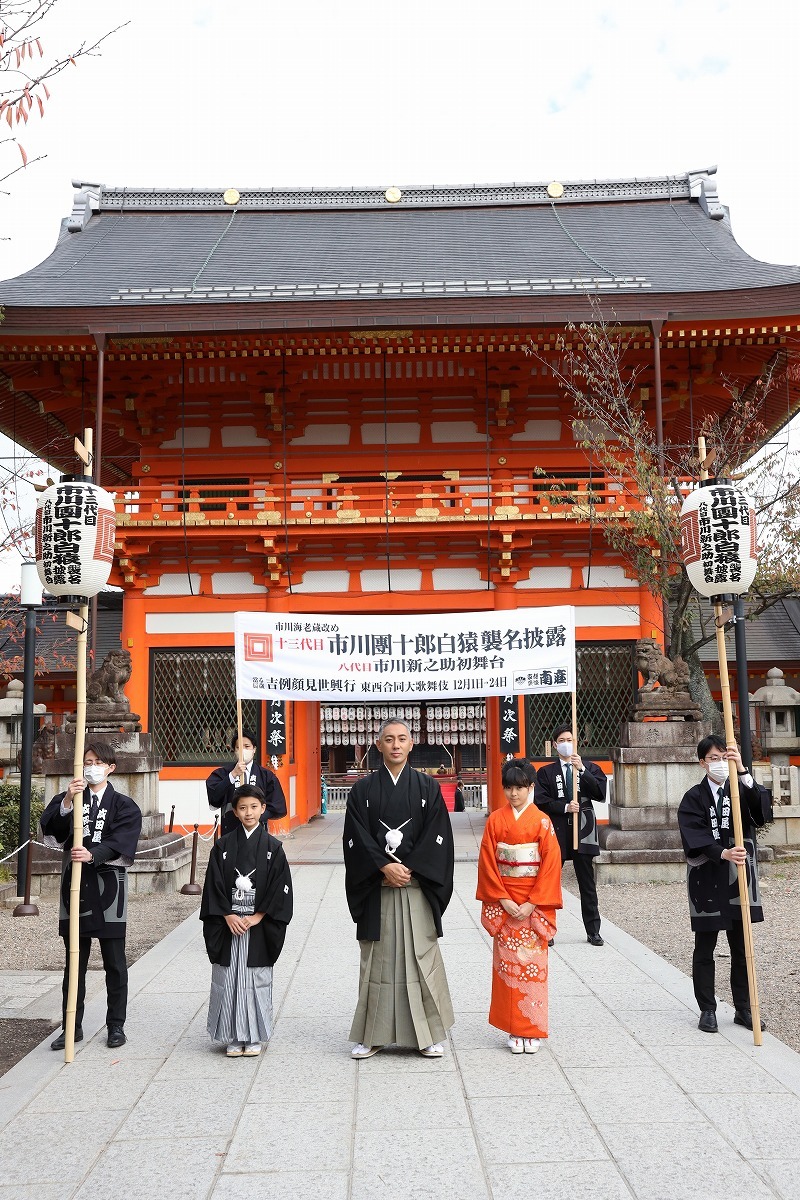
(307, 764)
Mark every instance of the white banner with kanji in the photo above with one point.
(402, 657)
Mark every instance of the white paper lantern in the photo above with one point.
(75, 528)
(718, 539)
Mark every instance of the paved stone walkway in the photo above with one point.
(628, 1099)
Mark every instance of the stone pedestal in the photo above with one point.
(654, 765)
(162, 863)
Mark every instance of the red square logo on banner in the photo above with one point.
(690, 537)
(106, 530)
(258, 647)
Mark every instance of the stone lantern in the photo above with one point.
(780, 707)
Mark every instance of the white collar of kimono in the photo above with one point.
(395, 778)
(248, 833)
(519, 811)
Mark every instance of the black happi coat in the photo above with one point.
(426, 848)
(711, 880)
(550, 795)
(221, 791)
(104, 882)
(273, 897)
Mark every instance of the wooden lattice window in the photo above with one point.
(193, 706)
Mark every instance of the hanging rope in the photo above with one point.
(488, 472)
(386, 474)
(184, 498)
(578, 246)
(210, 254)
(285, 473)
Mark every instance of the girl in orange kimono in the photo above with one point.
(519, 882)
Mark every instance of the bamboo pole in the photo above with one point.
(82, 625)
(576, 817)
(736, 807)
(239, 734)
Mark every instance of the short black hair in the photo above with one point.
(517, 772)
(566, 727)
(246, 791)
(103, 751)
(712, 742)
(246, 733)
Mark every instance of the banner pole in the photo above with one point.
(77, 810)
(736, 807)
(576, 817)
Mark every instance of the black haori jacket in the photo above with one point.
(103, 894)
(221, 792)
(273, 898)
(550, 795)
(427, 851)
(712, 881)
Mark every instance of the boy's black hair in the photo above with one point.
(517, 772)
(246, 733)
(712, 742)
(566, 727)
(103, 751)
(246, 791)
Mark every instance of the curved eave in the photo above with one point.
(750, 303)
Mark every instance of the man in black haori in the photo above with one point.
(712, 858)
(553, 795)
(398, 855)
(112, 823)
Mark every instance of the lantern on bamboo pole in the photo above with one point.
(719, 550)
(75, 529)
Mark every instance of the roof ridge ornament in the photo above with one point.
(417, 196)
(84, 204)
(704, 189)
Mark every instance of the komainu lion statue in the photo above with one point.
(105, 685)
(658, 669)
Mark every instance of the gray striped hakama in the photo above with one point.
(403, 996)
(240, 1007)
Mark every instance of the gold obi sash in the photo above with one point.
(518, 861)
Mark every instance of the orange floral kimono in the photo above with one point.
(520, 860)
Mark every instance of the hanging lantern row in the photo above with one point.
(75, 529)
(718, 538)
(338, 738)
(360, 729)
(375, 714)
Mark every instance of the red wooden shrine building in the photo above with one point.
(321, 402)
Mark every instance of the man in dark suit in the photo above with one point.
(712, 857)
(222, 783)
(112, 823)
(553, 794)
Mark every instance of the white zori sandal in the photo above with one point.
(532, 1045)
(516, 1045)
(361, 1051)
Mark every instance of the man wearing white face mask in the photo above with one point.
(706, 828)
(221, 784)
(553, 795)
(112, 823)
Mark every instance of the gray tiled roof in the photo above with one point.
(141, 247)
(56, 643)
(773, 638)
